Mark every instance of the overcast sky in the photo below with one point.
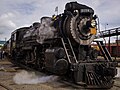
(18, 13)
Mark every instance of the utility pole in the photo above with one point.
(56, 10)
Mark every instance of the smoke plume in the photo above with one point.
(25, 77)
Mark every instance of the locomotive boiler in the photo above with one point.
(61, 45)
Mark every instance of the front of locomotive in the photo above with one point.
(79, 24)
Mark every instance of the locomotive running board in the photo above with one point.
(69, 50)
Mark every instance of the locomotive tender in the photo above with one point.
(61, 45)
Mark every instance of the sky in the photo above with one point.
(19, 13)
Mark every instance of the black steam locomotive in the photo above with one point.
(61, 45)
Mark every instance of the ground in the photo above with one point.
(8, 72)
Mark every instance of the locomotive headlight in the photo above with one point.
(93, 23)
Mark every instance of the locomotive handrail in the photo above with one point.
(66, 50)
(72, 50)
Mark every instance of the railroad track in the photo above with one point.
(117, 86)
(6, 87)
(62, 80)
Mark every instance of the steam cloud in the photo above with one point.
(118, 73)
(25, 77)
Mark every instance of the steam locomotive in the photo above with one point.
(61, 45)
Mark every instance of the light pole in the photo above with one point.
(106, 25)
(56, 10)
(5, 39)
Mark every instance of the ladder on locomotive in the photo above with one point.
(104, 51)
(69, 50)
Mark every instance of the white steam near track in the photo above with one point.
(118, 73)
(25, 77)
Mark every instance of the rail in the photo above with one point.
(5, 86)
